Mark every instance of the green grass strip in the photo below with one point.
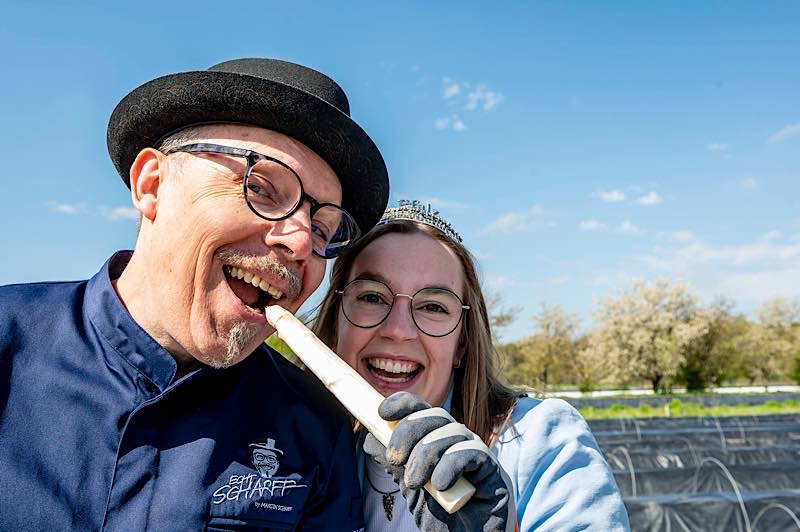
(677, 408)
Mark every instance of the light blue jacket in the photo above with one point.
(561, 480)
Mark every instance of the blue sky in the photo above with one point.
(575, 146)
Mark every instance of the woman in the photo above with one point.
(405, 309)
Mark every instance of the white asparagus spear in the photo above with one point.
(356, 394)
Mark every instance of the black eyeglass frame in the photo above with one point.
(253, 158)
(464, 307)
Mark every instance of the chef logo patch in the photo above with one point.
(263, 484)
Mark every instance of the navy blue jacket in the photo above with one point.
(95, 435)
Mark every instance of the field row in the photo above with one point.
(739, 473)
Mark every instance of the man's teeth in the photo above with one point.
(393, 366)
(254, 280)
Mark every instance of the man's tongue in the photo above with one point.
(248, 293)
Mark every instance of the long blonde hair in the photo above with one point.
(481, 401)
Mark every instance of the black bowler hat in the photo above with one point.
(284, 97)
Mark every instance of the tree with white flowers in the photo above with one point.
(645, 333)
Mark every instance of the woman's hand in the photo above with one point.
(428, 444)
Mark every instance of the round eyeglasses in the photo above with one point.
(273, 191)
(435, 311)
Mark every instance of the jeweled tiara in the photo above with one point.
(416, 211)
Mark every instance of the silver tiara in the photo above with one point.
(416, 211)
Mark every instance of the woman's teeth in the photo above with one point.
(254, 280)
(393, 366)
(405, 371)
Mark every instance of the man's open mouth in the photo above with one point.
(254, 291)
(393, 371)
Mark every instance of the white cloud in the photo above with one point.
(64, 208)
(765, 249)
(454, 123)
(591, 225)
(628, 228)
(515, 221)
(462, 94)
(717, 147)
(110, 213)
(748, 183)
(450, 89)
(612, 196)
(764, 252)
(649, 199)
(762, 285)
(785, 133)
(484, 98)
(750, 272)
(119, 213)
(559, 280)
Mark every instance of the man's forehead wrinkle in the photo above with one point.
(206, 193)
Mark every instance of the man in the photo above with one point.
(129, 401)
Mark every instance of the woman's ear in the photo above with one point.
(145, 177)
(461, 351)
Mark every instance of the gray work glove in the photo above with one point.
(428, 444)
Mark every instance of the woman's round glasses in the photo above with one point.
(274, 191)
(435, 311)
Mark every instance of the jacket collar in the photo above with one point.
(117, 326)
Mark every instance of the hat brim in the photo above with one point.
(167, 104)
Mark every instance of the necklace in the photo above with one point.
(386, 496)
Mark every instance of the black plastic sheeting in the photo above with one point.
(665, 458)
(618, 425)
(767, 511)
(707, 437)
(709, 477)
(706, 474)
(700, 441)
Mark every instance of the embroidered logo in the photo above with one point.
(265, 458)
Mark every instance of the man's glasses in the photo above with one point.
(274, 191)
(435, 311)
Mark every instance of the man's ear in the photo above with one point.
(146, 175)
